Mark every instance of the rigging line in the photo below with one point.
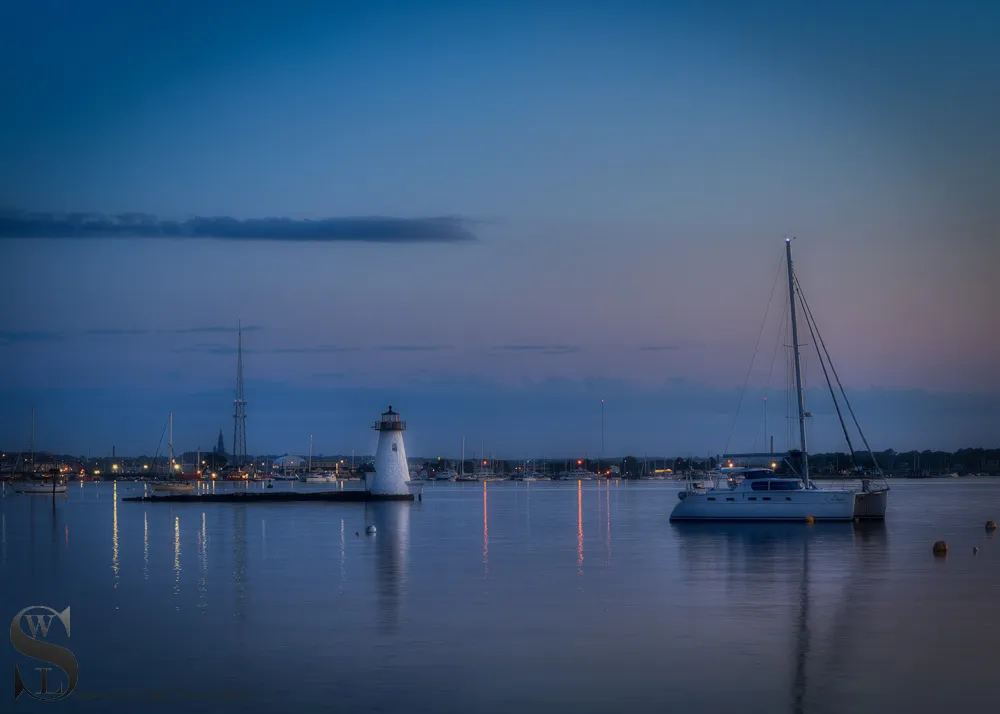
(829, 384)
(754, 357)
(160, 442)
(770, 371)
(839, 384)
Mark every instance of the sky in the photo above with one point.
(493, 216)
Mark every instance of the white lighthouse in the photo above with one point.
(391, 471)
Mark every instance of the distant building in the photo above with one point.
(220, 448)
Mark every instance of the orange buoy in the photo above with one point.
(940, 548)
(991, 525)
(810, 520)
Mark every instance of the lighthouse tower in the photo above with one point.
(391, 471)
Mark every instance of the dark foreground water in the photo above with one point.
(542, 597)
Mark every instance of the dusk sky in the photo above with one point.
(514, 210)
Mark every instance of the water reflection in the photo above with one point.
(392, 537)
(607, 510)
(202, 565)
(343, 557)
(802, 636)
(240, 559)
(177, 555)
(145, 547)
(766, 556)
(486, 536)
(3, 537)
(579, 527)
(114, 535)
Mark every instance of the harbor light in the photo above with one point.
(145, 466)
(774, 465)
(177, 467)
(213, 474)
(114, 467)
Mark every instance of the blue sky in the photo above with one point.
(609, 187)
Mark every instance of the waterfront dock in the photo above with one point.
(344, 496)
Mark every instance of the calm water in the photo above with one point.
(514, 597)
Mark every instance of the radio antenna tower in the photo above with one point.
(240, 408)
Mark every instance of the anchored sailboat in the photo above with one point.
(172, 484)
(760, 494)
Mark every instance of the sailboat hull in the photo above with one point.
(734, 505)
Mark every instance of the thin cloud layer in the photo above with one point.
(373, 229)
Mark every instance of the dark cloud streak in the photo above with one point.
(211, 330)
(319, 349)
(13, 336)
(540, 349)
(414, 348)
(372, 229)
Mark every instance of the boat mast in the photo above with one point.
(798, 369)
(170, 442)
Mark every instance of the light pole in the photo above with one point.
(602, 438)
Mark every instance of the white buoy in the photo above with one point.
(975, 550)
(391, 477)
(370, 530)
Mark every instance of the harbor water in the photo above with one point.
(506, 597)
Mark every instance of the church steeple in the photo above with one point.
(221, 446)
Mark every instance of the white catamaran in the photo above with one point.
(759, 494)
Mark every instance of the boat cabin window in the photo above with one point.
(394, 446)
(784, 484)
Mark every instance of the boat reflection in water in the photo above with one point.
(822, 576)
(392, 538)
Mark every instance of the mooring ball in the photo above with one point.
(991, 525)
(356, 533)
(940, 547)
(810, 520)
(975, 550)
(370, 530)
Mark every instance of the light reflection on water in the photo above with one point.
(145, 546)
(114, 534)
(343, 557)
(579, 527)
(486, 536)
(816, 619)
(203, 564)
(177, 555)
